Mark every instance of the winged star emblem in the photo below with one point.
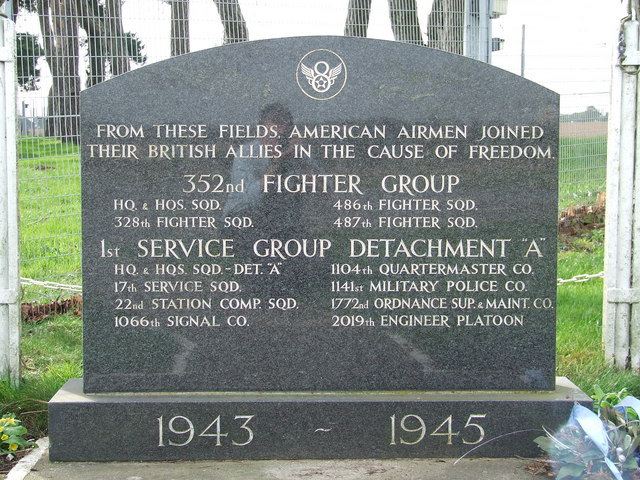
(321, 77)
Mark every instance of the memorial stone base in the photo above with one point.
(290, 425)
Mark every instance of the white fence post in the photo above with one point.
(10, 320)
(621, 324)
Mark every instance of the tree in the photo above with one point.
(357, 22)
(63, 103)
(108, 48)
(404, 20)
(445, 29)
(59, 27)
(28, 52)
(180, 41)
(91, 20)
(44, 18)
(116, 39)
(235, 27)
(135, 49)
(446, 26)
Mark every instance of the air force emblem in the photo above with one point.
(321, 77)
(321, 74)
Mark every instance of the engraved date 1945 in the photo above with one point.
(412, 429)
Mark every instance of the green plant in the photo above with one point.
(51, 354)
(597, 446)
(12, 435)
(607, 400)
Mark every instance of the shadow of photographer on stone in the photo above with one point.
(279, 230)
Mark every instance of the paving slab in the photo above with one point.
(371, 469)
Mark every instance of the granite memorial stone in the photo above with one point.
(324, 216)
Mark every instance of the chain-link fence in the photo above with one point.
(65, 46)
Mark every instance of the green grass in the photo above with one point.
(49, 202)
(582, 170)
(579, 333)
(49, 198)
(51, 354)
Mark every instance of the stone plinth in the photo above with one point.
(128, 427)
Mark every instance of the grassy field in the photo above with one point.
(49, 196)
(51, 354)
(582, 170)
(579, 333)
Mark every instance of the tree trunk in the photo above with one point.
(45, 28)
(357, 18)
(404, 21)
(63, 99)
(116, 39)
(446, 26)
(235, 28)
(179, 27)
(91, 21)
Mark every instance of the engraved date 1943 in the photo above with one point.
(180, 431)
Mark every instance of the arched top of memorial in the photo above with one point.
(324, 77)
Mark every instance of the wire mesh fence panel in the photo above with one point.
(65, 46)
(583, 155)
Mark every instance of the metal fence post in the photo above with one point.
(621, 318)
(9, 238)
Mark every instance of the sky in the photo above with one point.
(568, 46)
(568, 43)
